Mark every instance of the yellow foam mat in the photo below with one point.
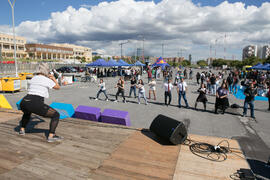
(4, 103)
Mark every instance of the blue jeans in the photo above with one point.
(182, 93)
(102, 91)
(230, 87)
(142, 94)
(213, 88)
(251, 105)
(132, 88)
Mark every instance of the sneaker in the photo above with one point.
(253, 117)
(22, 132)
(146, 103)
(96, 99)
(115, 101)
(243, 115)
(55, 138)
(107, 99)
(124, 101)
(139, 103)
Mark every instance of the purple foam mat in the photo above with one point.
(88, 113)
(115, 117)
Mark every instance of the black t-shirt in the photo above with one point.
(251, 94)
(212, 80)
(132, 82)
(230, 80)
(120, 86)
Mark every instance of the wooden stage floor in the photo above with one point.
(102, 151)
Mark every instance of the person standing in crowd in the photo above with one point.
(152, 88)
(168, 88)
(202, 77)
(213, 84)
(222, 101)
(190, 73)
(33, 102)
(268, 95)
(133, 83)
(102, 89)
(230, 82)
(202, 96)
(198, 77)
(141, 92)
(235, 84)
(250, 93)
(149, 74)
(121, 90)
(182, 89)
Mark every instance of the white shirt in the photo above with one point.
(39, 85)
(182, 86)
(166, 85)
(141, 88)
(102, 86)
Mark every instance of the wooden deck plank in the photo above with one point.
(140, 157)
(85, 147)
(190, 166)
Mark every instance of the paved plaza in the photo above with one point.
(253, 136)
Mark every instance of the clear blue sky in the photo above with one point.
(41, 9)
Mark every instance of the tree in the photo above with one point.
(78, 57)
(267, 60)
(83, 60)
(185, 63)
(96, 58)
(202, 63)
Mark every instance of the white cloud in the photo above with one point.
(178, 22)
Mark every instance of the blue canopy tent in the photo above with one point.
(257, 66)
(123, 63)
(266, 67)
(112, 63)
(138, 63)
(98, 63)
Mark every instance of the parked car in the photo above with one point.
(66, 69)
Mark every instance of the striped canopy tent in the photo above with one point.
(98, 63)
(161, 63)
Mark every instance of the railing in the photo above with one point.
(9, 69)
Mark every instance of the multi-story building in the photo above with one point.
(265, 52)
(248, 51)
(7, 46)
(43, 51)
(174, 59)
(78, 51)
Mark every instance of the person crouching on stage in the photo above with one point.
(202, 96)
(222, 98)
(33, 102)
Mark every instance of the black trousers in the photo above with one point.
(122, 92)
(168, 94)
(35, 104)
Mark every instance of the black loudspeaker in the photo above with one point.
(169, 129)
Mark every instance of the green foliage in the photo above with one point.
(78, 57)
(185, 63)
(96, 58)
(83, 60)
(267, 60)
(202, 63)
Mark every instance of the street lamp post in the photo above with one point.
(15, 56)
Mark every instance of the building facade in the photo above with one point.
(78, 51)
(265, 51)
(174, 59)
(7, 46)
(43, 51)
(248, 51)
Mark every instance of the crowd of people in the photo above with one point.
(252, 83)
(219, 85)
